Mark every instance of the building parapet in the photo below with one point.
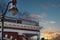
(18, 25)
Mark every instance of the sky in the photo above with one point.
(47, 12)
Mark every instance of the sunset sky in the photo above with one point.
(48, 11)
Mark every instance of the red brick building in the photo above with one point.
(20, 29)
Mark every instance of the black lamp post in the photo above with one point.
(12, 8)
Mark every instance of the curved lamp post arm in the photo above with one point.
(4, 12)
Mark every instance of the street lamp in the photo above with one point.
(11, 6)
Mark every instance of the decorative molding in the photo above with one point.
(20, 26)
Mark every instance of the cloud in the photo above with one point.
(50, 35)
(42, 15)
(52, 22)
(47, 23)
(57, 37)
(53, 5)
(43, 6)
(32, 16)
(49, 31)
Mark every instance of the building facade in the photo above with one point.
(20, 29)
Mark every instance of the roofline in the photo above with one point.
(19, 19)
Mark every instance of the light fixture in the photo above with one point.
(12, 8)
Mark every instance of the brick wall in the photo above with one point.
(14, 35)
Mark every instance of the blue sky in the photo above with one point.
(49, 10)
(49, 7)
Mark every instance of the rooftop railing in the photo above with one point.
(18, 25)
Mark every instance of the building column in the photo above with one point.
(38, 36)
